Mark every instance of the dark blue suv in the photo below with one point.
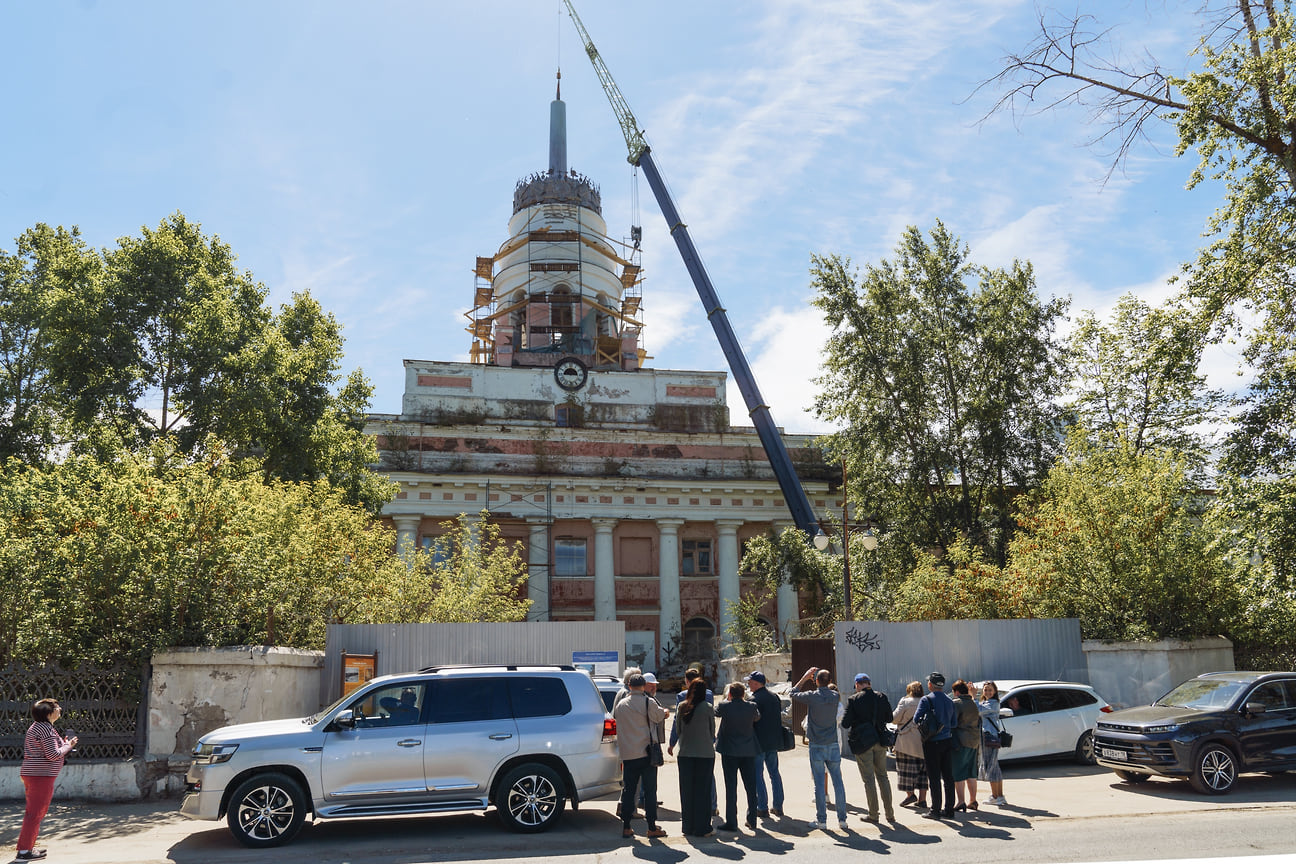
(1209, 729)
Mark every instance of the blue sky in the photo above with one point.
(367, 153)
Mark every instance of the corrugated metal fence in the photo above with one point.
(895, 654)
(409, 647)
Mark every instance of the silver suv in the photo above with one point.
(450, 738)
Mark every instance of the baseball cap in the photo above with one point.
(936, 678)
(649, 678)
(757, 676)
(862, 677)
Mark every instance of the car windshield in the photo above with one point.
(314, 718)
(1201, 693)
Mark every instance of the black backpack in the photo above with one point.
(930, 726)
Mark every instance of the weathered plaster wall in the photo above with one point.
(196, 690)
(1137, 673)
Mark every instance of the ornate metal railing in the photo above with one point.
(105, 707)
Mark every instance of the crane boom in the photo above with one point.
(641, 156)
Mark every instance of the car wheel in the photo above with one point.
(1133, 777)
(266, 810)
(1214, 771)
(531, 798)
(1084, 750)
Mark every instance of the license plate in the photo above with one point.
(1112, 754)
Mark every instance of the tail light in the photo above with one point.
(609, 730)
(1106, 709)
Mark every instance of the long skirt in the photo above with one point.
(990, 765)
(911, 773)
(965, 763)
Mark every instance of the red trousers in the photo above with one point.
(39, 792)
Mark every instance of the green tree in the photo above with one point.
(470, 573)
(960, 586)
(113, 558)
(943, 375)
(1236, 110)
(174, 323)
(1115, 538)
(1136, 379)
(49, 268)
(786, 558)
(163, 336)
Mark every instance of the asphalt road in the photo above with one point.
(1057, 812)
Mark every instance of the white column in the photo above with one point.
(789, 611)
(538, 570)
(407, 525)
(727, 566)
(671, 628)
(604, 572)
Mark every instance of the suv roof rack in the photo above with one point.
(509, 667)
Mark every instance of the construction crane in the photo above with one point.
(641, 156)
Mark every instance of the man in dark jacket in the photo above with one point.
(938, 751)
(769, 735)
(867, 713)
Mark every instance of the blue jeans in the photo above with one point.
(770, 758)
(827, 757)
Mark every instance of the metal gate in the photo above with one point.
(104, 706)
(807, 653)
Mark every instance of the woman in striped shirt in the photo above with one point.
(43, 752)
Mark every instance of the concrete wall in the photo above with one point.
(775, 666)
(196, 690)
(117, 780)
(1137, 673)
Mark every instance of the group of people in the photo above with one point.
(963, 746)
(960, 748)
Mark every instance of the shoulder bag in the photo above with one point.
(1003, 739)
(654, 750)
(886, 735)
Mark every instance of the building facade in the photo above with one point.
(628, 487)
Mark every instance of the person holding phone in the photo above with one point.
(44, 750)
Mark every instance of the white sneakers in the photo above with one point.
(999, 801)
(823, 826)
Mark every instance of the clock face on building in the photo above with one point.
(571, 374)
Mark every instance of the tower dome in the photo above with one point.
(558, 287)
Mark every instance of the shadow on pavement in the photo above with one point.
(76, 819)
(453, 837)
(1249, 789)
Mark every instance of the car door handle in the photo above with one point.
(501, 736)
(409, 742)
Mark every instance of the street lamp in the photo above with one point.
(869, 540)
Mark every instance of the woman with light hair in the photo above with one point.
(911, 770)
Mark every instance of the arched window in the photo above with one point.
(699, 641)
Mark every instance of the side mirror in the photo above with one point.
(1255, 708)
(1005, 712)
(345, 719)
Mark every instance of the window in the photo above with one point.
(1269, 695)
(468, 700)
(569, 415)
(1019, 703)
(539, 697)
(1081, 698)
(699, 640)
(437, 548)
(1050, 700)
(562, 307)
(697, 558)
(636, 557)
(569, 557)
(394, 705)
